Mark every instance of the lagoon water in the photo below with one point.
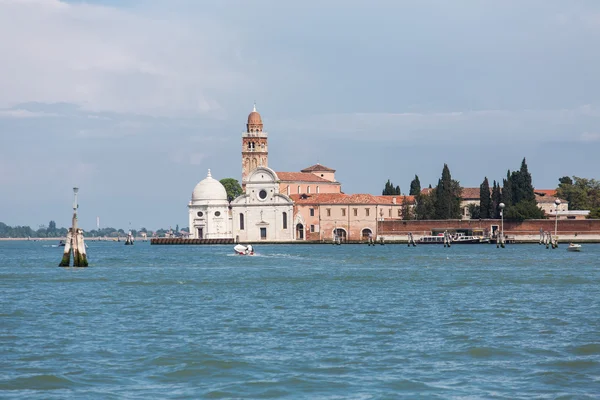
(303, 321)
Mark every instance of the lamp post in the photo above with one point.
(556, 204)
(501, 238)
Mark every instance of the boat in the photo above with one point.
(465, 239)
(439, 239)
(244, 250)
(574, 247)
(61, 244)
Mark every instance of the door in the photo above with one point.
(299, 232)
(200, 233)
(263, 233)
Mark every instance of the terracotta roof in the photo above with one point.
(389, 199)
(545, 192)
(547, 199)
(301, 177)
(341, 198)
(470, 193)
(318, 167)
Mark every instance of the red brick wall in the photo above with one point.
(590, 226)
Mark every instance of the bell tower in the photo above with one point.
(254, 146)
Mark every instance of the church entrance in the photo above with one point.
(300, 232)
(200, 233)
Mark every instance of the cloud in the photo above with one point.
(590, 137)
(21, 113)
(468, 126)
(108, 59)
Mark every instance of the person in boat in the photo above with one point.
(250, 250)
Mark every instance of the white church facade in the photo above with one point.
(261, 213)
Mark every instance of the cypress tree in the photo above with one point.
(496, 200)
(447, 196)
(415, 186)
(485, 201)
(508, 188)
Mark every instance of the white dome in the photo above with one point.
(209, 189)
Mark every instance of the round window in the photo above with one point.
(200, 213)
(262, 194)
(217, 213)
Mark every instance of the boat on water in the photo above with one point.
(244, 250)
(467, 239)
(438, 239)
(574, 247)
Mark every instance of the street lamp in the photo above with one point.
(501, 205)
(556, 204)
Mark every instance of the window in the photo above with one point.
(355, 211)
(241, 221)
(217, 213)
(343, 212)
(390, 213)
(284, 220)
(298, 189)
(399, 212)
(308, 189)
(329, 212)
(263, 233)
(312, 212)
(262, 194)
(312, 228)
(200, 213)
(367, 212)
(288, 190)
(318, 189)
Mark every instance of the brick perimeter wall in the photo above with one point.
(590, 226)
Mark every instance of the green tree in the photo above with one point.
(447, 196)
(496, 200)
(485, 200)
(525, 209)
(232, 187)
(425, 207)
(474, 211)
(521, 185)
(415, 186)
(407, 213)
(390, 190)
(507, 189)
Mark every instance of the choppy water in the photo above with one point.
(300, 321)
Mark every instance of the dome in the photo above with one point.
(209, 189)
(254, 117)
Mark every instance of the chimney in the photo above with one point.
(393, 200)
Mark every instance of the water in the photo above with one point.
(352, 322)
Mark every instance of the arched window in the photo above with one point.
(317, 189)
(308, 189)
(298, 189)
(284, 220)
(241, 221)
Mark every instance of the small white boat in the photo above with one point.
(574, 247)
(244, 250)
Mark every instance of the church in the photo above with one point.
(284, 206)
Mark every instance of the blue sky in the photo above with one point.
(134, 100)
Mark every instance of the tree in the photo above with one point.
(415, 186)
(407, 213)
(390, 190)
(507, 189)
(425, 208)
(485, 200)
(496, 200)
(521, 184)
(523, 210)
(447, 196)
(232, 187)
(474, 211)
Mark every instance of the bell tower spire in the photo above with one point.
(255, 151)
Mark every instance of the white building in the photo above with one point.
(209, 216)
(262, 213)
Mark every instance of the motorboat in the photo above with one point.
(466, 239)
(439, 239)
(244, 250)
(574, 247)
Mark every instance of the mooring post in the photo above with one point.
(74, 242)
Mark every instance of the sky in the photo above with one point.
(133, 101)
